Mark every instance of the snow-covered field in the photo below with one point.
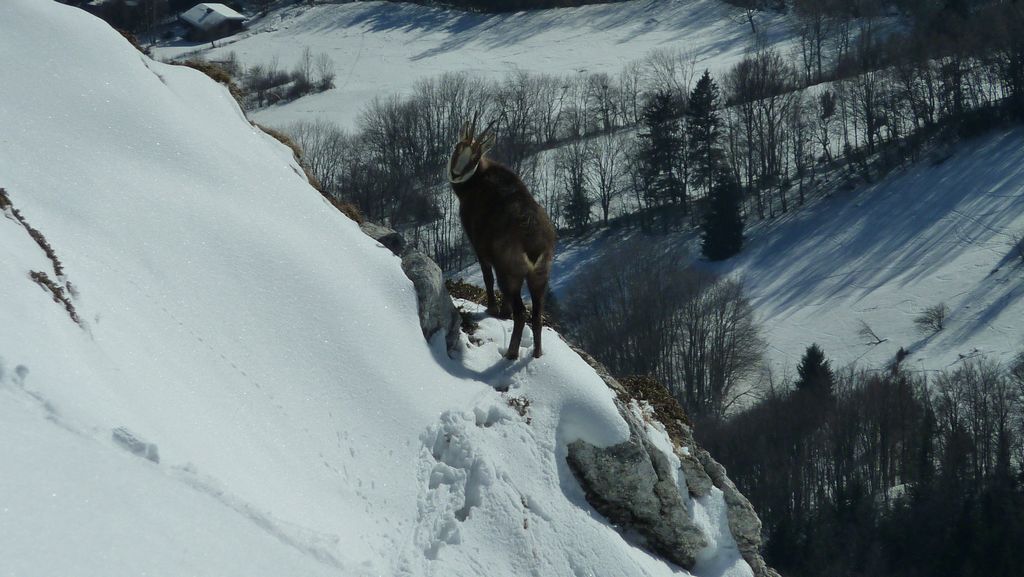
(384, 48)
(265, 355)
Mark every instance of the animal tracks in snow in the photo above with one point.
(458, 477)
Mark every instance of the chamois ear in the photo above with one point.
(467, 132)
(486, 141)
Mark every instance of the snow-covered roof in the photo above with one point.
(209, 16)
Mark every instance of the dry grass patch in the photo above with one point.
(56, 293)
(219, 74)
(666, 408)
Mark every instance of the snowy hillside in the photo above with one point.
(247, 390)
(383, 48)
(936, 232)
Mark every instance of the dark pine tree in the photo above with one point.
(703, 131)
(661, 150)
(576, 207)
(722, 226)
(814, 373)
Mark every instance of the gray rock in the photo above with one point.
(384, 235)
(134, 445)
(437, 312)
(698, 483)
(744, 523)
(631, 484)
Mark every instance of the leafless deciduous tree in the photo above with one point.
(642, 313)
(608, 169)
(932, 319)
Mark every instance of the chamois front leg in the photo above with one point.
(492, 303)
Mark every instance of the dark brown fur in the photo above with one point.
(509, 232)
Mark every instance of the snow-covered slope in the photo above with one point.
(382, 48)
(269, 350)
(881, 254)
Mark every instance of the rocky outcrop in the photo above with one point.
(744, 523)
(634, 486)
(437, 312)
(391, 240)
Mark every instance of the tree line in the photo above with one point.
(885, 473)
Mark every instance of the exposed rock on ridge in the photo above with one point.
(632, 484)
(436, 310)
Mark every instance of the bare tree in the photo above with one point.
(630, 91)
(866, 332)
(325, 72)
(932, 319)
(718, 345)
(608, 167)
(671, 70)
(641, 312)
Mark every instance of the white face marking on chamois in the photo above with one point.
(459, 166)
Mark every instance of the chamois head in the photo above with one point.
(469, 150)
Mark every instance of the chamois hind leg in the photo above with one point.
(492, 303)
(538, 287)
(512, 290)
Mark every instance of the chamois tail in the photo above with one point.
(532, 264)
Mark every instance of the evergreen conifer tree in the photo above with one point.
(815, 372)
(722, 225)
(703, 131)
(661, 150)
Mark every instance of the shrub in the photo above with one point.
(932, 319)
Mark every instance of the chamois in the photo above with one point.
(511, 234)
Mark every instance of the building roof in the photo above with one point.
(208, 16)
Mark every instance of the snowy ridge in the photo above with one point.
(267, 350)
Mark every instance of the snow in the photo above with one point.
(384, 48)
(268, 350)
(882, 253)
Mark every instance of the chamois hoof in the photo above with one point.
(537, 353)
(512, 355)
